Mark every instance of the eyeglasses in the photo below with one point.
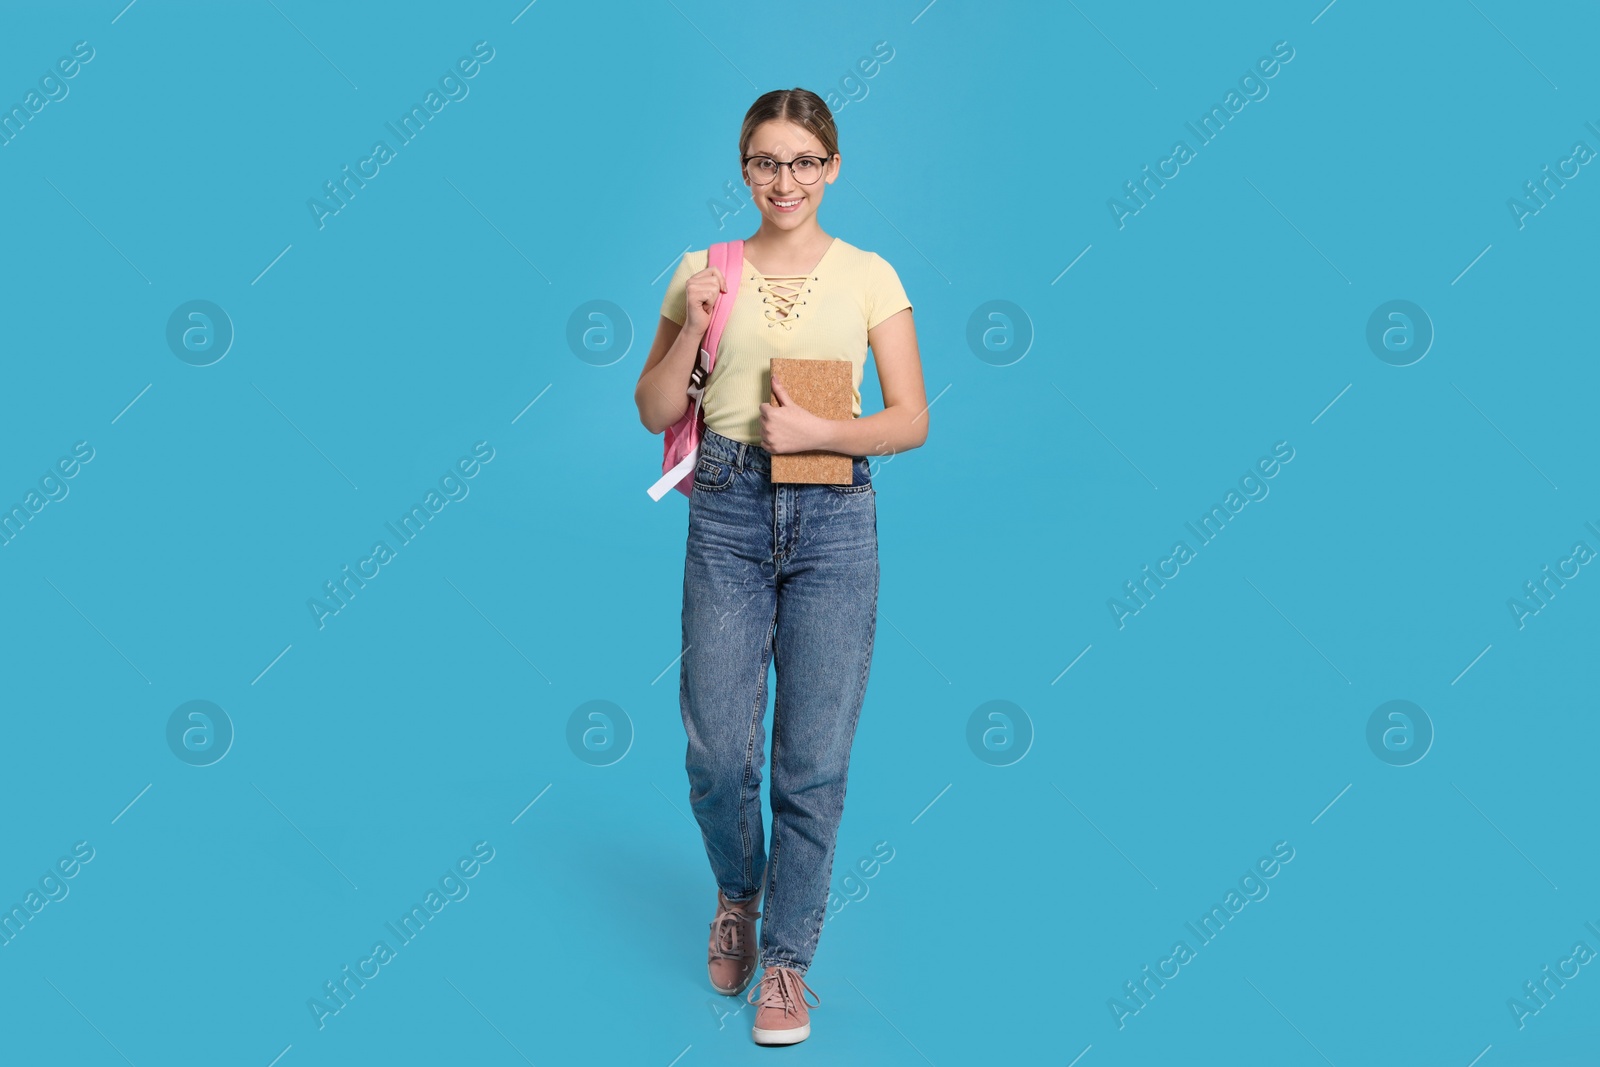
(806, 169)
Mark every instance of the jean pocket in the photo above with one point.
(712, 475)
(860, 477)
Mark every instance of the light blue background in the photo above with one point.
(1228, 715)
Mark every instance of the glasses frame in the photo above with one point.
(744, 165)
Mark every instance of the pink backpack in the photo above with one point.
(681, 443)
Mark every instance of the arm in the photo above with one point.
(903, 423)
(662, 393)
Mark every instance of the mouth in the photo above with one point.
(786, 206)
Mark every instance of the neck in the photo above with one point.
(783, 242)
(779, 251)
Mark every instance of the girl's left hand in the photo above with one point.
(788, 427)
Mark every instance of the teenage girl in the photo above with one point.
(785, 574)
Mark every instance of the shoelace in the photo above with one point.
(782, 987)
(784, 302)
(730, 930)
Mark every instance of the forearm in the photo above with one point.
(897, 428)
(662, 393)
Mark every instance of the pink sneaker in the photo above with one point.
(731, 959)
(782, 1018)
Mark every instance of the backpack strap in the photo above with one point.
(728, 257)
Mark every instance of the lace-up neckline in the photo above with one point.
(782, 295)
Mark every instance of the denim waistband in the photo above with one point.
(714, 445)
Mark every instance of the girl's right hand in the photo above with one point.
(700, 298)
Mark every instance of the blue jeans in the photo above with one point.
(786, 574)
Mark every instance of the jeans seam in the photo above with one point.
(749, 750)
(698, 484)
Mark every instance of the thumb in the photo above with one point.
(779, 391)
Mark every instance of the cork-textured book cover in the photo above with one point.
(823, 387)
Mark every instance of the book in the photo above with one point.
(824, 387)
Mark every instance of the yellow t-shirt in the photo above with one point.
(829, 312)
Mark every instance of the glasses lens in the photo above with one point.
(807, 169)
(762, 170)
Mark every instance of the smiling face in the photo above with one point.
(786, 203)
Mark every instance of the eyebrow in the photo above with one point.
(769, 155)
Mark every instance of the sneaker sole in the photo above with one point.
(791, 1036)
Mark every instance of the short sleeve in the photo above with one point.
(674, 304)
(885, 295)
